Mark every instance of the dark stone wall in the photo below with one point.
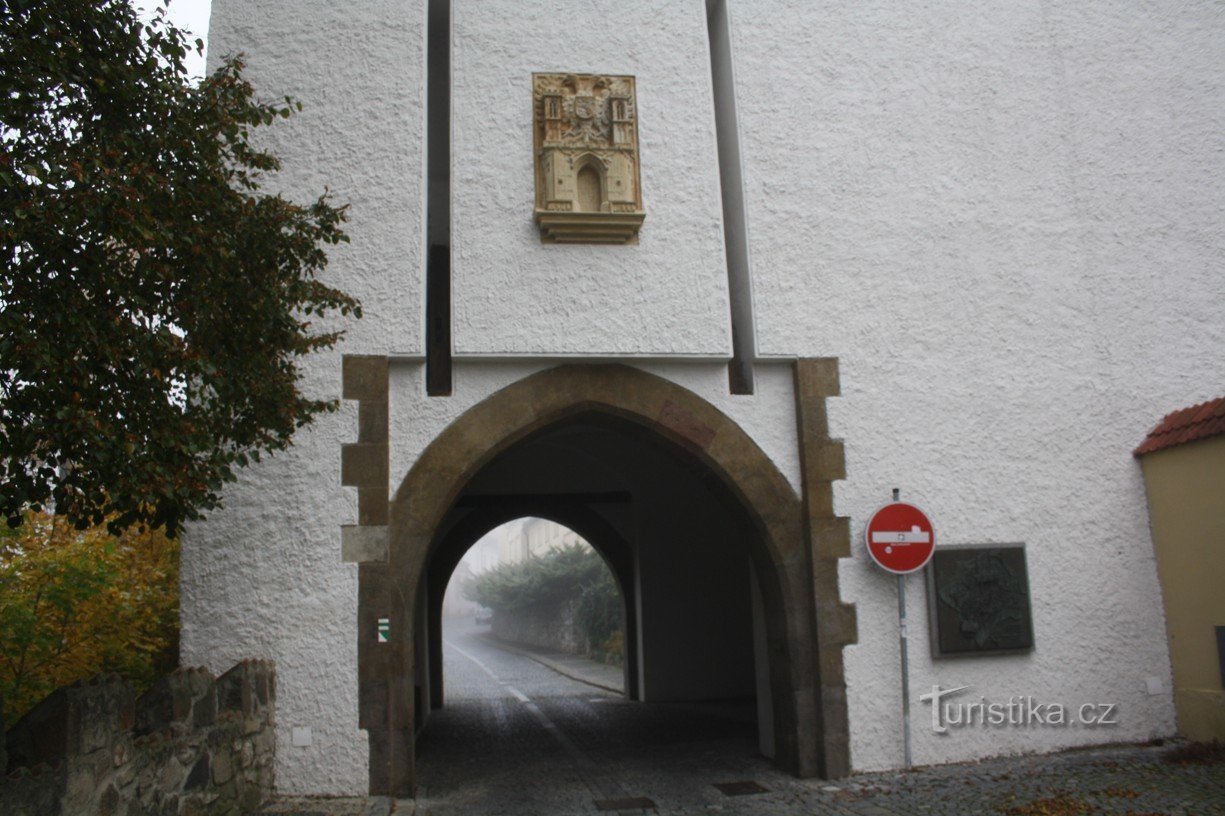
(192, 744)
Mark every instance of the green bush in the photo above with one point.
(599, 611)
(546, 581)
(537, 581)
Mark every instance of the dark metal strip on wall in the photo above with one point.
(438, 200)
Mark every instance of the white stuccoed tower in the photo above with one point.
(990, 235)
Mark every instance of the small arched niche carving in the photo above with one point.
(587, 175)
(590, 197)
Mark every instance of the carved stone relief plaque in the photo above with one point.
(586, 140)
(978, 600)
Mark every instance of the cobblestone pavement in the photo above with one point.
(515, 738)
(1115, 781)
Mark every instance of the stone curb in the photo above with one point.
(553, 665)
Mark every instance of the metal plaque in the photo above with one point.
(978, 601)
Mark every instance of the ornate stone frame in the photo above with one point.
(586, 120)
(796, 555)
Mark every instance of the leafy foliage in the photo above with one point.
(153, 301)
(546, 581)
(600, 614)
(539, 580)
(75, 603)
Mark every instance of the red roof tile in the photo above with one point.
(1197, 422)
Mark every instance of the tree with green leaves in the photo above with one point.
(154, 302)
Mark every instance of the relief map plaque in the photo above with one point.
(978, 601)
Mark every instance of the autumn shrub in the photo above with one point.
(74, 603)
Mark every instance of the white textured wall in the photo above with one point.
(263, 577)
(358, 70)
(1004, 219)
(668, 294)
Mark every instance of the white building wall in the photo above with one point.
(263, 577)
(359, 71)
(1002, 219)
(513, 295)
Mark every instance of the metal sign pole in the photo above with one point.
(901, 623)
(901, 620)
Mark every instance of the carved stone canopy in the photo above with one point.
(588, 188)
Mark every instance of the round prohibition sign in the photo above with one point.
(900, 538)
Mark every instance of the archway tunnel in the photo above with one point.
(485, 520)
(678, 544)
(709, 542)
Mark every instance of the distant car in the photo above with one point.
(484, 615)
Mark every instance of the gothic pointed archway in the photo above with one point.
(805, 680)
(471, 520)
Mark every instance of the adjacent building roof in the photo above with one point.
(1197, 422)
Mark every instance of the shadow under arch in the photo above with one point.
(459, 537)
(388, 690)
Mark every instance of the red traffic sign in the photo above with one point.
(900, 538)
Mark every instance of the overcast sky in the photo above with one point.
(191, 15)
